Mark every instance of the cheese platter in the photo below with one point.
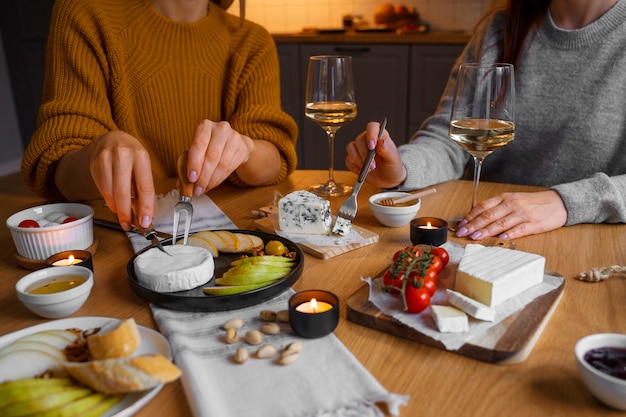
(197, 299)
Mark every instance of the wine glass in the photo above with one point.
(330, 103)
(482, 118)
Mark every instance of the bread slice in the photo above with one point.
(124, 375)
(117, 340)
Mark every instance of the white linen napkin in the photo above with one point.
(326, 380)
(206, 216)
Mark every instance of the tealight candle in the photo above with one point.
(313, 313)
(70, 258)
(429, 231)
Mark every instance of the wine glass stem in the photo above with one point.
(478, 164)
(331, 152)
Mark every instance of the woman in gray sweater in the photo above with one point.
(570, 113)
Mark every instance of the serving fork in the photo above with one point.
(185, 190)
(347, 211)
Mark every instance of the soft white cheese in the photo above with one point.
(470, 306)
(187, 268)
(342, 226)
(491, 274)
(449, 319)
(304, 212)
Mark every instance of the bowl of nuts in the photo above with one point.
(41, 231)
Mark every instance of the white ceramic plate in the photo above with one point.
(151, 342)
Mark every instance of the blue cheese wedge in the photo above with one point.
(470, 306)
(304, 212)
(492, 275)
(449, 319)
(342, 226)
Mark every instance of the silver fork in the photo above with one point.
(347, 211)
(184, 201)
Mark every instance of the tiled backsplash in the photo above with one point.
(288, 16)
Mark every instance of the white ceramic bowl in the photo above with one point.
(39, 243)
(393, 216)
(59, 304)
(606, 388)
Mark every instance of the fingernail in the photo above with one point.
(145, 221)
(193, 176)
(125, 226)
(503, 236)
(462, 232)
(462, 223)
(197, 191)
(372, 144)
(476, 235)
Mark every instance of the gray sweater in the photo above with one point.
(570, 114)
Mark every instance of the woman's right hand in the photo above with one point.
(387, 169)
(120, 167)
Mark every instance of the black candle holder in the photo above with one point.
(436, 235)
(311, 324)
(84, 256)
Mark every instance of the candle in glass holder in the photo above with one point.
(429, 231)
(70, 258)
(313, 313)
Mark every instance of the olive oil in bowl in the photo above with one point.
(57, 284)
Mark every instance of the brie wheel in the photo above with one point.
(187, 268)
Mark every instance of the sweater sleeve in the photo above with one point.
(598, 199)
(75, 107)
(255, 102)
(431, 157)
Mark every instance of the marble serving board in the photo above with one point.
(265, 224)
(509, 342)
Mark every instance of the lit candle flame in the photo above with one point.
(314, 305)
(70, 260)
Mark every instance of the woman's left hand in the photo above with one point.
(513, 215)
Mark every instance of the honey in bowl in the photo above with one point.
(405, 204)
(58, 284)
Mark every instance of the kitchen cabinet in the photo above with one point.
(402, 82)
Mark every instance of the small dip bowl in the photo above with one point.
(609, 389)
(55, 292)
(53, 236)
(394, 216)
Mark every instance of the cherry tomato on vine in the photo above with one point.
(430, 284)
(416, 299)
(436, 263)
(443, 255)
(393, 283)
(431, 273)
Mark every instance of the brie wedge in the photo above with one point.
(491, 274)
(449, 319)
(186, 268)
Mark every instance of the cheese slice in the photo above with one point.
(470, 306)
(186, 268)
(342, 226)
(449, 319)
(304, 212)
(491, 274)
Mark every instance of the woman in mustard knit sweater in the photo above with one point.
(130, 84)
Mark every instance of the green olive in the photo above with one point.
(274, 247)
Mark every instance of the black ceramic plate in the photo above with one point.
(196, 300)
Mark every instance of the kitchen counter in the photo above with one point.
(374, 38)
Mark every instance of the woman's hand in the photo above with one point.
(387, 170)
(513, 215)
(218, 150)
(114, 166)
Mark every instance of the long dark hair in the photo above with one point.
(522, 16)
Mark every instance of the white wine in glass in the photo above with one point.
(483, 111)
(330, 103)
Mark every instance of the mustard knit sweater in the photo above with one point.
(120, 65)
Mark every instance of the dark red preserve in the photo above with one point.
(610, 360)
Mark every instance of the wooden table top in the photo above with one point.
(440, 383)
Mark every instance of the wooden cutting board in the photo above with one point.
(265, 224)
(511, 340)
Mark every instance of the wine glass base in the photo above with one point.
(330, 190)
